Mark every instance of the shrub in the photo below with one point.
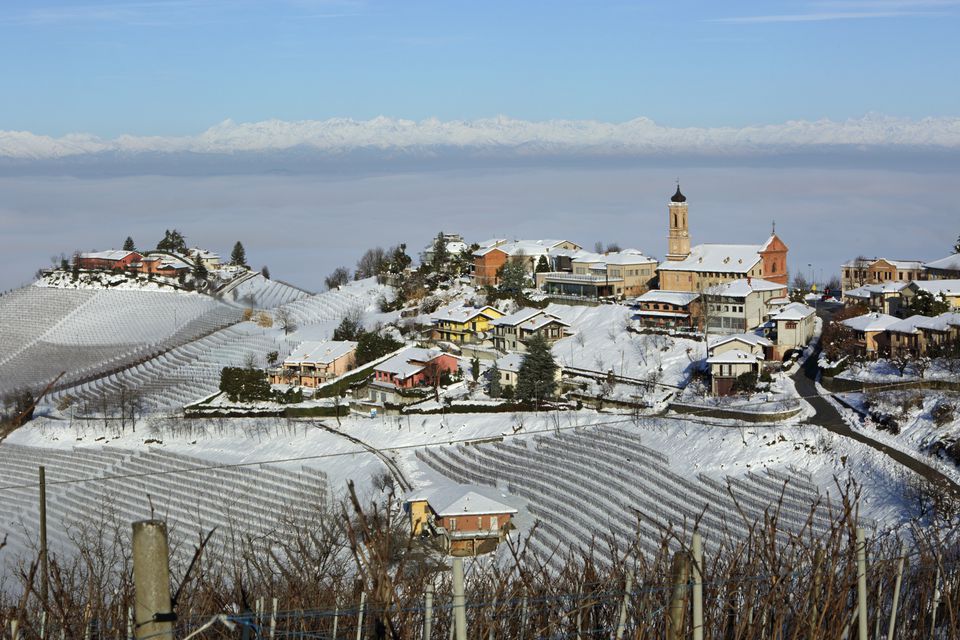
(942, 413)
(745, 382)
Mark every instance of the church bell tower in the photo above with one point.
(678, 247)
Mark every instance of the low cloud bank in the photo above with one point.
(501, 137)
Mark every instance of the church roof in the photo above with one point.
(678, 197)
(727, 258)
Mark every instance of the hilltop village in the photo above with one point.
(507, 379)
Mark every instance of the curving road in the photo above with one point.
(387, 460)
(830, 419)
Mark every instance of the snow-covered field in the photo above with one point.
(603, 343)
(927, 423)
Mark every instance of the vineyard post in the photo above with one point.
(44, 562)
(861, 585)
(363, 601)
(43, 625)
(622, 621)
(459, 600)
(936, 603)
(523, 615)
(681, 573)
(876, 621)
(427, 612)
(493, 620)
(815, 592)
(336, 619)
(896, 591)
(273, 620)
(579, 612)
(697, 551)
(151, 581)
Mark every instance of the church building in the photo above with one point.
(707, 265)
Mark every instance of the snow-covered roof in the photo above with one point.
(627, 256)
(868, 290)
(942, 322)
(522, 247)
(492, 242)
(901, 265)
(743, 287)
(936, 287)
(746, 338)
(870, 322)
(793, 311)
(538, 322)
(112, 254)
(662, 314)
(908, 325)
(950, 263)
(320, 352)
(517, 317)
(773, 302)
(510, 362)
(408, 362)
(733, 356)
(204, 253)
(463, 500)
(679, 298)
(464, 314)
(726, 258)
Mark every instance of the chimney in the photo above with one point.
(749, 278)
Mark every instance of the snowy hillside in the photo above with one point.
(189, 371)
(260, 293)
(579, 474)
(88, 333)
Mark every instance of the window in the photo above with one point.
(453, 524)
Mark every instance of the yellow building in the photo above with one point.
(463, 324)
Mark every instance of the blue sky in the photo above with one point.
(172, 67)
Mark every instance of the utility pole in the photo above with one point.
(153, 614)
(44, 562)
(861, 585)
(697, 552)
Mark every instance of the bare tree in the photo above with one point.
(285, 320)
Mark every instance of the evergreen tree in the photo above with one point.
(542, 265)
(956, 247)
(173, 241)
(265, 272)
(128, 244)
(512, 277)
(199, 271)
(350, 328)
(440, 253)
(475, 368)
(494, 391)
(535, 379)
(238, 256)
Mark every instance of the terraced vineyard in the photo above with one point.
(580, 486)
(87, 484)
(94, 333)
(167, 381)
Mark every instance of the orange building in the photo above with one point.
(470, 520)
(708, 265)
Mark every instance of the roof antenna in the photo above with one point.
(774, 230)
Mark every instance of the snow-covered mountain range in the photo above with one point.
(640, 136)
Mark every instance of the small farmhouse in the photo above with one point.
(469, 520)
(313, 363)
(463, 324)
(107, 260)
(511, 332)
(668, 309)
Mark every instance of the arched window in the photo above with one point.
(675, 223)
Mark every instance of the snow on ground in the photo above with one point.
(883, 370)
(914, 412)
(603, 343)
(716, 447)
